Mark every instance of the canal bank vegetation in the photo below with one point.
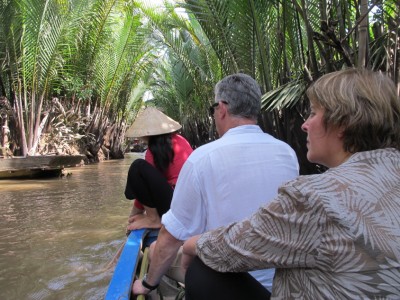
(74, 74)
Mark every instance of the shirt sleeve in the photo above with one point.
(186, 216)
(283, 234)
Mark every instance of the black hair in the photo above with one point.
(161, 148)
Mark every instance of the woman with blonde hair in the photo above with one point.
(334, 235)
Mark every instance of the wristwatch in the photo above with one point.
(148, 286)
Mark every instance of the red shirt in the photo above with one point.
(182, 150)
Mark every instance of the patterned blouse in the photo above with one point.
(334, 235)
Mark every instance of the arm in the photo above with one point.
(189, 252)
(164, 254)
(284, 234)
(186, 203)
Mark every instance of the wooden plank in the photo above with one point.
(143, 269)
(31, 173)
(121, 283)
(39, 162)
(37, 166)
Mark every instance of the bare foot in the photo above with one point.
(136, 218)
(144, 222)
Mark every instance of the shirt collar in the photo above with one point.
(243, 129)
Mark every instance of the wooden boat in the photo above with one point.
(124, 273)
(132, 263)
(37, 166)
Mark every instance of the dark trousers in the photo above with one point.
(148, 185)
(203, 283)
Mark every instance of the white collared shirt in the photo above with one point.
(228, 180)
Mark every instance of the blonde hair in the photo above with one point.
(364, 103)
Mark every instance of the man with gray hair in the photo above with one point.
(223, 181)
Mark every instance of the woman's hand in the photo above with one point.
(188, 252)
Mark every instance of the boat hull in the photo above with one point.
(37, 166)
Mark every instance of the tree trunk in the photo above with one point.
(38, 134)
(363, 35)
(20, 122)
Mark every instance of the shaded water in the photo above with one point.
(57, 235)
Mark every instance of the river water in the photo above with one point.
(58, 235)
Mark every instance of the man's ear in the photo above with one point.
(223, 110)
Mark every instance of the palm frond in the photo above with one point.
(285, 96)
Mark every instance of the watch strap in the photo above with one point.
(147, 285)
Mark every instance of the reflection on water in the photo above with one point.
(57, 235)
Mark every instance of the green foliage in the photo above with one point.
(285, 45)
(93, 52)
(186, 70)
(101, 56)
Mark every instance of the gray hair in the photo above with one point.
(242, 93)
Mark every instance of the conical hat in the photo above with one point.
(151, 121)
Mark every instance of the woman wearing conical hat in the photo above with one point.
(151, 181)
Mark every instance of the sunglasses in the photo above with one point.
(211, 109)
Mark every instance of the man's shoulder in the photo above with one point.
(230, 142)
(204, 150)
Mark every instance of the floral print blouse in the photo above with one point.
(334, 235)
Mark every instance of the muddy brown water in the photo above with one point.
(57, 235)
